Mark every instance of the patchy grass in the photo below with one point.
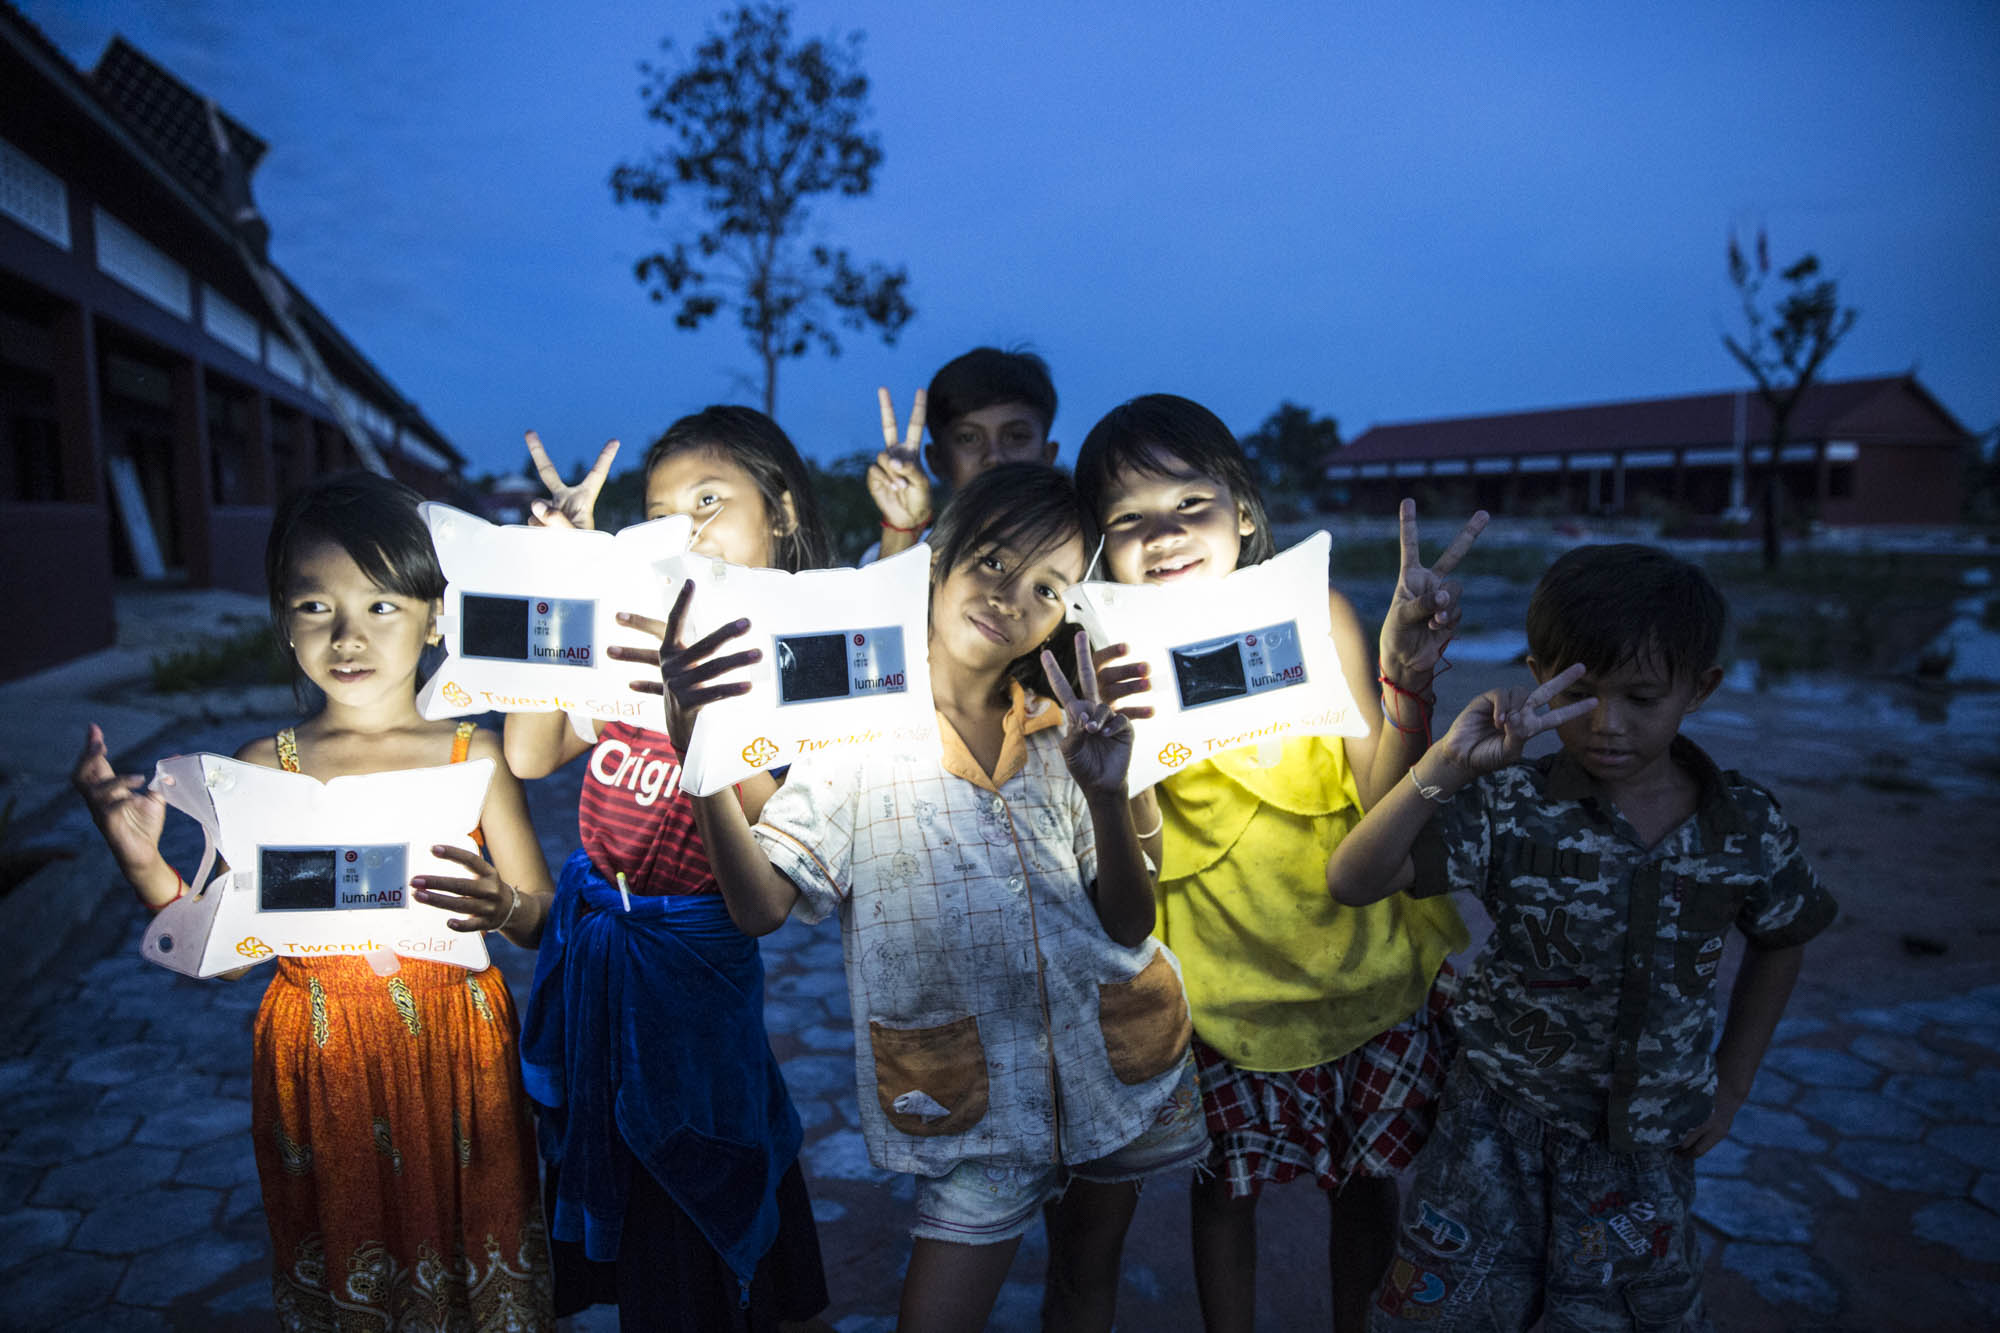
(247, 657)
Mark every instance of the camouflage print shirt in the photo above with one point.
(1593, 1002)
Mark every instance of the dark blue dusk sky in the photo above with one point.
(1386, 212)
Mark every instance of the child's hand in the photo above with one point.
(129, 816)
(1119, 680)
(1425, 610)
(686, 669)
(896, 480)
(1714, 1129)
(487, 902)
(1494, 728)
(573, 506)
(1097, 743)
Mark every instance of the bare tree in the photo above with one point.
(1786, 343)
(760, 127)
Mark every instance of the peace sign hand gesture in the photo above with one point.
(686, 669)
(896, 480)
(1097, 740)
(1494, 728)
(573, 506)
(1425, 610)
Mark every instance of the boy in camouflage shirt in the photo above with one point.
(1560, 1178)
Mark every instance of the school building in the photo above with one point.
(1859, 451)
(155, 400)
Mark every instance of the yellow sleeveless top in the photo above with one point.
(1279, 976)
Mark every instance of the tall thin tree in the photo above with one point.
(1788, 338)
(760, 128)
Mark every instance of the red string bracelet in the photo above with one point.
(887, 526)
(171, 901)
(1424, 707)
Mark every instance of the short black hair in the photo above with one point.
(1607, 606)
(986, 377)
(1028, 508)
(761, 448)
(1129, 435)
(372, 518)
(375, 520)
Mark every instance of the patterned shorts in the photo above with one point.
(1510, 1220)
(1364, 1114)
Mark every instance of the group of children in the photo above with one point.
(1057, 992)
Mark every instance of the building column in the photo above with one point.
(79, 405)
(193, 488)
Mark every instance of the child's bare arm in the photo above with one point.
(1756, 1003)
(1097, 747)
(537, 744)
(757, 893)
(1372, 860)
(130, 818)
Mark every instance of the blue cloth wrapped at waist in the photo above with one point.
(643, 1037)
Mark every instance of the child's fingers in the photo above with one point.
(602, 467)
(543, 467)
(1057, 681)
(1462, 543)
(888, 406)
(670, 633)
(618, 652)
(705, 646)
(708, 694)
(1553, 686)
(1406, 534)
(1087, 675)
(464, 856)
(1556, 717)
(707, 669)
(914, 438)
(644, 624)
(1110, 652)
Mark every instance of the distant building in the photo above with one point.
(152, 409)
(1860, 451)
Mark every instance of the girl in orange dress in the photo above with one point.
(393, 1142)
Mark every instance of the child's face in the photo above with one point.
(981, 441)
(1002, 603)
(725, 503)
(1623, 742)
(357, 642)
(1169, 522)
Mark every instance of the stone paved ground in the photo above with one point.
(1860, 1190)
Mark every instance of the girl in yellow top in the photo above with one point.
(1320, 1029)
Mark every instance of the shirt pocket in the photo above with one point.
(1706, 911)
(930, 1080)
(1145, 1021)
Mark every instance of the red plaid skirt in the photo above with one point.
(1365, 1113)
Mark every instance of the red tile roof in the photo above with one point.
(1884, 409)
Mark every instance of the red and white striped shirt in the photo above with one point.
(635, 818)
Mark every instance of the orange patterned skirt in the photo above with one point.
(396, 1150)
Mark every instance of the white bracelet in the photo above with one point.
(510, 908)
(1155, 829)
(1435, 794)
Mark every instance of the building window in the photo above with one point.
(1840, 482)
(125, 255)
(232, 445)
(33, 196)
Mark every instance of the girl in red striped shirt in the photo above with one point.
(643, 1040)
